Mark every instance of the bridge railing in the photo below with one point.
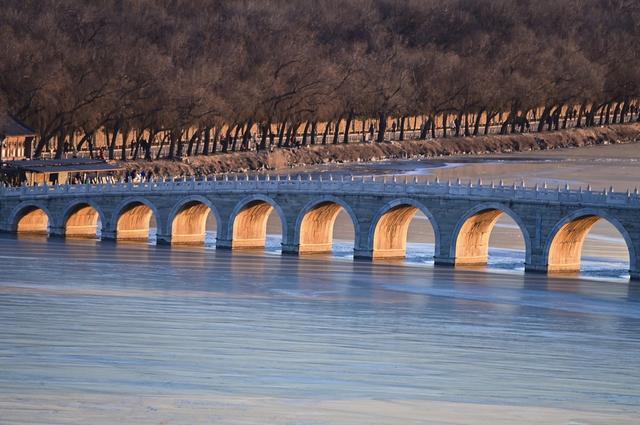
(401, 185)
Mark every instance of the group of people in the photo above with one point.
(135, 176)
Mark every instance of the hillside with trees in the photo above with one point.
(174, 78)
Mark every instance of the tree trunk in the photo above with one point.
(476, 125)
(347, 126)
(281, 133)
(165, 136)
(137, 136)
(246, 135)
(424, 129)
(543, 118)
(60, 143)
(514, 118)
(523, 121)
(181, 137)
(325, 133)
(44, 141)
(125, 136)
(487, 123)
(85, 139)
(304, 133)
(606, 114)
(402, 121)
(590, 120)
(216, 138)
(112, 144)
(336, 131)
(504, 128)
(147, 145)
(556, 118)
(287, 137)
(207, 141)
(580, 114)
(565, 119)
(445, 117)
(195, 136)
(550, 118)
(263, 137)
(173, 139)
(196, 148)
(467, 133)
(616, 110)
(91, 144)
(227, 139)
(272, 138)
(234, 144)
(314, 132)
(624, 111)
(382, 127)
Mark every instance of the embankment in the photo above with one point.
(364, 152)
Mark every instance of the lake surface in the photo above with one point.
(102, 333)
(113, 321)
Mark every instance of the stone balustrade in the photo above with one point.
(406, 185)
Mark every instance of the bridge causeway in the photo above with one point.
(554, 221)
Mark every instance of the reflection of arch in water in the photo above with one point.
(248, 222)
(30, 218)
(315, 224)
(188, 220)
(473, 232)
(563, 250)
(133, 219)
(82, 219)
(389, 229)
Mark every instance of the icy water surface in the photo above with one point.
(102, 318)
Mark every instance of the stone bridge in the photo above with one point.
(554, 222)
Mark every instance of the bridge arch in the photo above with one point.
(83, 219)
(390, 226)
(187, 221)
(315, 224)
(563, 248)
(31, 218)
(132, 219)
(470, 239)
(248, 222)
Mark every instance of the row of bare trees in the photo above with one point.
(149, 78)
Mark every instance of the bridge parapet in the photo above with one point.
(371, 185)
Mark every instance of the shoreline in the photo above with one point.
(189, 408)
(460, 148)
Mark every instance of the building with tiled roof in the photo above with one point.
(16, 139)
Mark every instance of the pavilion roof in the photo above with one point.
(10, 126)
